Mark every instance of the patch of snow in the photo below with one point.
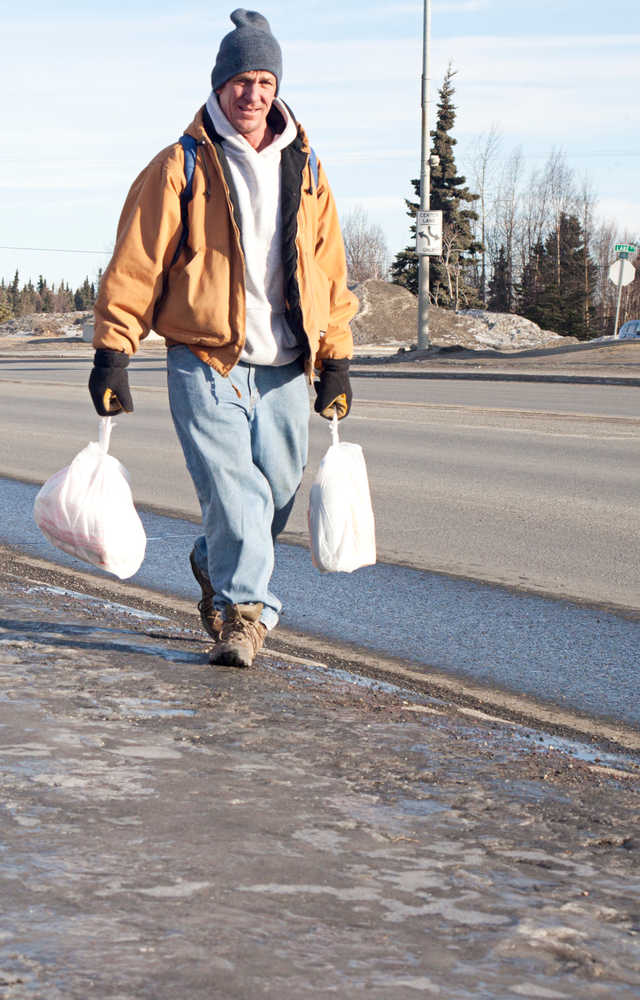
(505, 331)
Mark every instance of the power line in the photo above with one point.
(55, 250)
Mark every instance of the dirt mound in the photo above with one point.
(388, 315)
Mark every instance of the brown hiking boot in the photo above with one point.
(211, 618)
(241, 637)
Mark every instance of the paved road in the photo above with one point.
(548, 660)
(534, 486)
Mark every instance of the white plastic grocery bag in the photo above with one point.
(87, 510)
(341, 524)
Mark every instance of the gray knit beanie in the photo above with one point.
(250, 46)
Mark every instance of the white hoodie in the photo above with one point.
(256, 177)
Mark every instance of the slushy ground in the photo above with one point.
(171, 829)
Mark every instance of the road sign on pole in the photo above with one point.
(622, 272)
(625, 248)
(429, 233)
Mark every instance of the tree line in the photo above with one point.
(546, 254)
(18, 299)
(525, 243)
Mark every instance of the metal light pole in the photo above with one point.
(425, 185)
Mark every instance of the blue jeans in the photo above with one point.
(245, 451)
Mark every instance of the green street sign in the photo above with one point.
(625, 248)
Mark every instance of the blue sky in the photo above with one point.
(92, 91)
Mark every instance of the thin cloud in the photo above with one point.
(438, 7)
(460, 6)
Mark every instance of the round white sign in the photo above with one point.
(622, 272)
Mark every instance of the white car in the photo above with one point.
(630, 330)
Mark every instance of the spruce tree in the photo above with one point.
(552, 290)
(85, 296)
(63, 298)
(46, 300)
(30, 300)
(13, 293)
(500, 285)
(6, 311)
(531, 289)
(448, 278)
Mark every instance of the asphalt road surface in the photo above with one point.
(530, 485)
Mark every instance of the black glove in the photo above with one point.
(333, 388)
(109, 382)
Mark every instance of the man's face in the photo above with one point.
(246, 100)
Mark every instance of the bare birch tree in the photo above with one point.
(562, 196)
(483, 177)
(507, 214)
(453, 265)
(365, 247)
(602, 242)
(535, 214)
(585, 203)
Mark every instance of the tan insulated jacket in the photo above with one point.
(200, 300)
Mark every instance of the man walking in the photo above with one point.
(250, 304)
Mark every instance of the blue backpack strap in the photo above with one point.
(313, 163)
(189, 146)
(190, 149)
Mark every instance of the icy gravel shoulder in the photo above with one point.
(174, 829)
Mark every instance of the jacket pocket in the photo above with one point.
(197, 303)
(319, 294)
